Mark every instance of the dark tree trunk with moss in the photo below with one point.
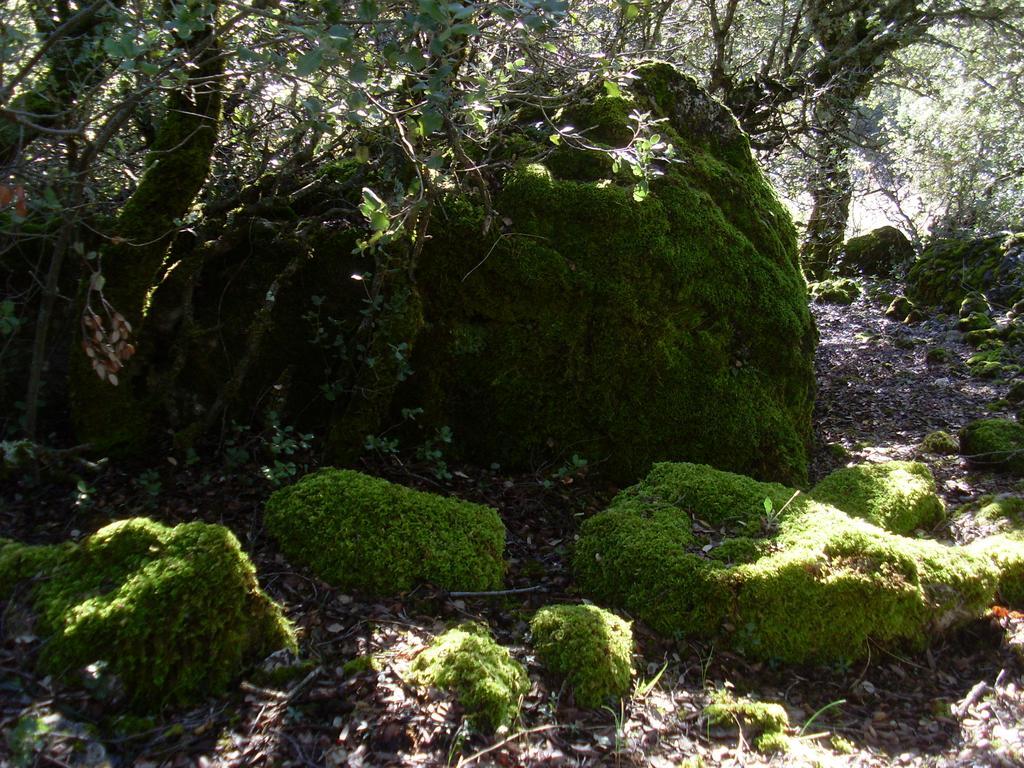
(117, 417)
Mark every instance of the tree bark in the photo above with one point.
(117, 417)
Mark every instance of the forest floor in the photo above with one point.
(961, 703)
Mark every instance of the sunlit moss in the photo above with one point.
(466, 660)
(361, 532)
(590, 647)
(172, 613)
(767, 722)
(817, 584)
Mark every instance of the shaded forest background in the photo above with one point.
(140, 142)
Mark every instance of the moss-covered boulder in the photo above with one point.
(994, 443)
(899, 308)
(808, 581)
(363, 533)
(898, 496)
(835, 290)
(940, 442)
(624, 330)
(467, 661)
(589, 647)
(172, 613)
(950, 270)
(875, 254)
(765, 721)
(974, 321)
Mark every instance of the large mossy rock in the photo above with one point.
(950, 270)
(876, 253)
(694, 550)
(994, 443)
(363, 533)
(625, 331)
(173, 613)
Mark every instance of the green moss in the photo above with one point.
(994, 443)
(624, 331)
(826, 583)
(898, 496)
(765, 721)
(360, 532)
(590, 647)
(951, 270)
(1006, 552)
(899, 308)
(877, 253)
(937, 355)
(487, 681)
(361, 664)
(941, 442)
(20, 563)
(975, 321)
(174, 613)
(836, 290)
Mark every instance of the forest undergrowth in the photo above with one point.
(347, 701)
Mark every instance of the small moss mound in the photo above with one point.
(899, 308)
(468, 662)
(173, 613)
(363, 533)
(766, 721)
(950, 270)
(877, 253)
(835, 290)
(937, 356)
(817, 583)
(589, 647)
(994, 443)
(898, 496)
(940, 442)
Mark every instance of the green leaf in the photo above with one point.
(358, 72)
(612, 89)
(308, 63)
(555, 139)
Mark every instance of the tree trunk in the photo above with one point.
(117, 417)
(831, 190)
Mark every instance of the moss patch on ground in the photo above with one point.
(622, 330)
(363, 533)
(898, 496)
(467, 661)
(836, 290)
(940, 442)
(766, 722)
(994, 443)
(173, 613)
(589, 647)
(818, 583)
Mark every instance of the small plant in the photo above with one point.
(83, 495)
(432, 451)
(284, 443)
(149, 482)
